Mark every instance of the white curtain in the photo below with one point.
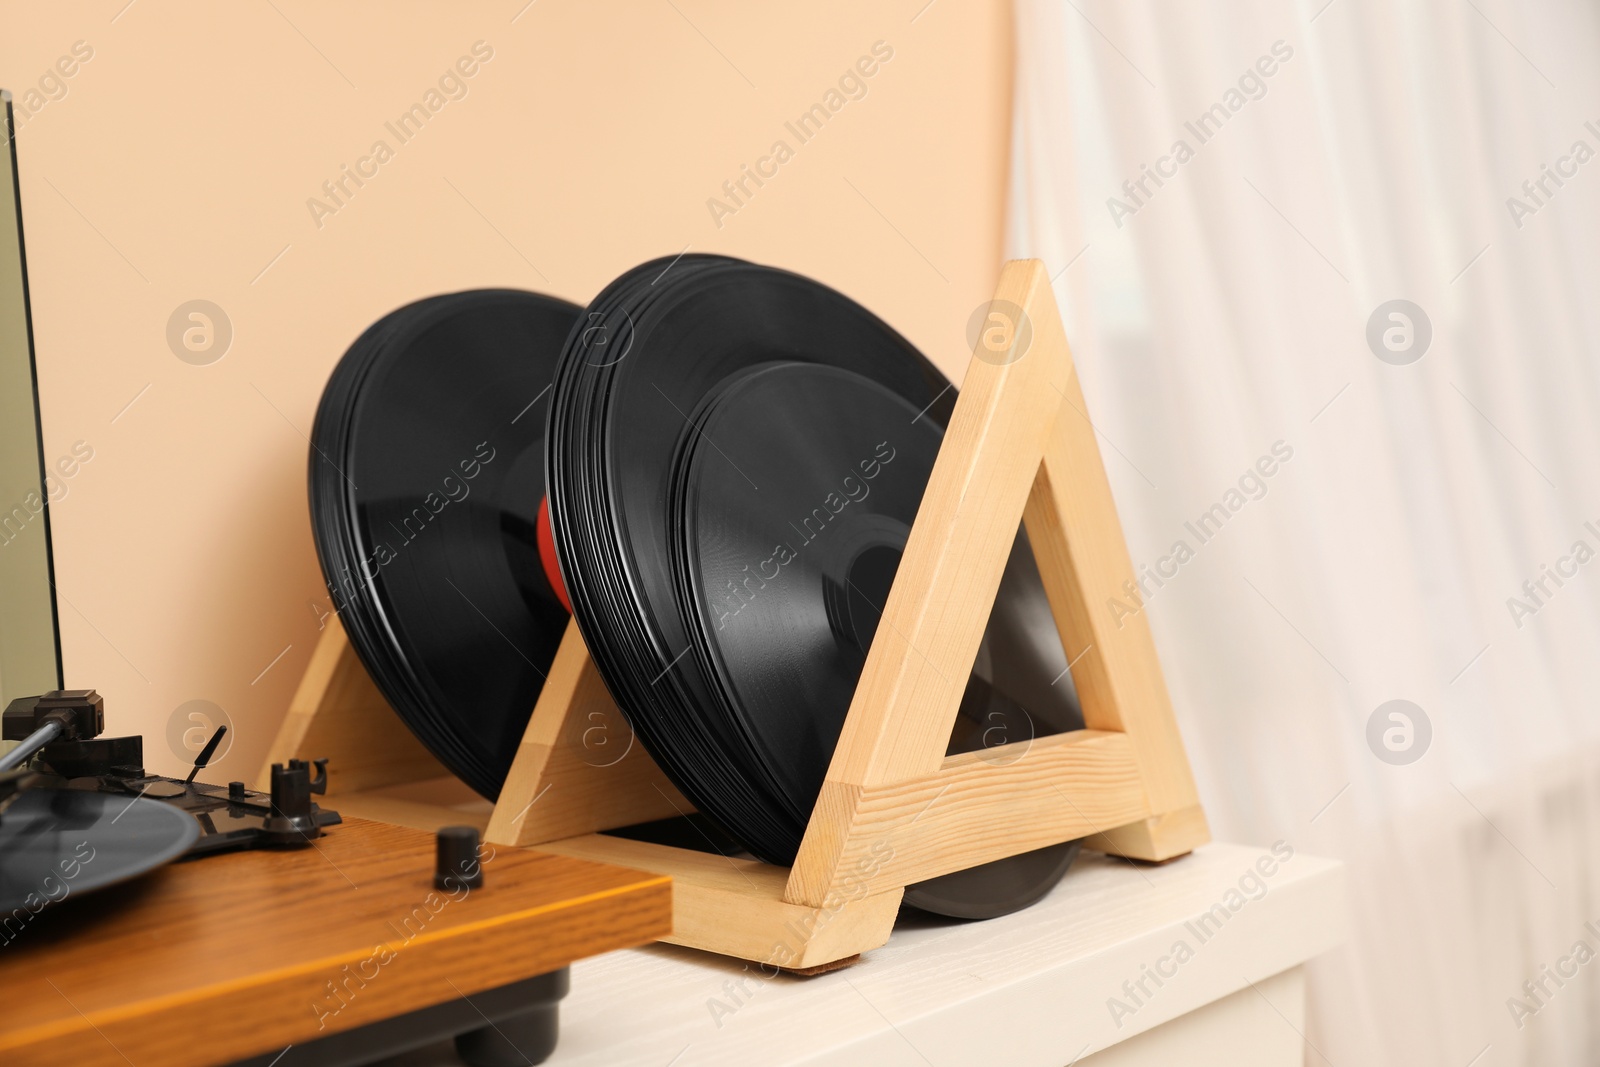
(1358, 152)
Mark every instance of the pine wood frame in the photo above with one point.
(894, 808)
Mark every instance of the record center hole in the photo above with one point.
(870, 575)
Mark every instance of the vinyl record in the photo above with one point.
(60, 843)
(788, 554)
(733, 473)
(426, 479)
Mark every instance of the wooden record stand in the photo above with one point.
(894, 809)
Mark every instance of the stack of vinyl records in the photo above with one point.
(426, 476)
(732, 460)
(736, 457)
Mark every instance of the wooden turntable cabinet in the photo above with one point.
(328, 955)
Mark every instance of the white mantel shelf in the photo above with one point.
(1026, 990)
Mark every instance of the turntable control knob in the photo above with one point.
(456, 860)
(293, 819)
(236, 791)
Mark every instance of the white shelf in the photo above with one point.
(1028, 989)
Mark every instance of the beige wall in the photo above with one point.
(176, 164)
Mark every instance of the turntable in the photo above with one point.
(332, 956)
(153, 919)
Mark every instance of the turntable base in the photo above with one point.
(261, 954)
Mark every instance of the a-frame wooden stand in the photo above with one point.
(894, 809)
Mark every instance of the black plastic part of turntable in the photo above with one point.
(513, 1026)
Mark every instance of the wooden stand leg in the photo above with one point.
(1083, 560)
(1016, 448)
(581, 752)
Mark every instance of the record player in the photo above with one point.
(331, 956)
(272, 911)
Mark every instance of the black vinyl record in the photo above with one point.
(59, 843)
(736, 457)
(426, 478)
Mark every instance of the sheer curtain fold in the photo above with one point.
(1222, 311)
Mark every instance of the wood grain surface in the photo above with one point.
(987, 805)
(211, 960)
(735, 906)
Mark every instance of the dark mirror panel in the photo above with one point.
(30, 657)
